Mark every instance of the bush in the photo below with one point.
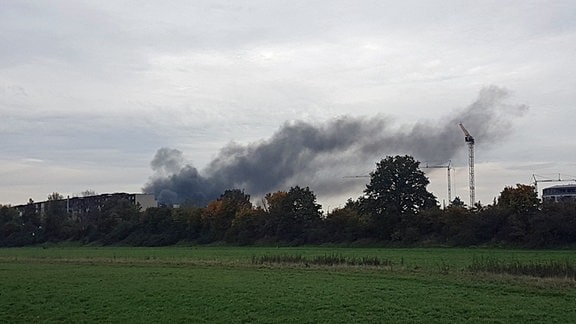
(550, 269)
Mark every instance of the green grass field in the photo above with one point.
(224, 285)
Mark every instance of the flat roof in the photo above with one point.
(562, 186)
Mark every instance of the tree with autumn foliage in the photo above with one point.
(219, 214)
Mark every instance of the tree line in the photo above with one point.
(395, 209)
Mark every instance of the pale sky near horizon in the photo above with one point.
(90, 90)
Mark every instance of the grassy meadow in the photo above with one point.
(286, 284)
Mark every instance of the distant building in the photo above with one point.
(559, 193)
(76, 206)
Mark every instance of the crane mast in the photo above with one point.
(448, 169)
(470, 141)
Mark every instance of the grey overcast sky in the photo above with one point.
(90, 90)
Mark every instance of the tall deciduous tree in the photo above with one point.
(219, 214)
(521, 199)
(55, 217)
(273, 205)
(9, 223)
(396, 190)
(296, 213)
(520, 204)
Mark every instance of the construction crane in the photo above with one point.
(356, 176)
(449, 170)
(548, 179)
(470, 141)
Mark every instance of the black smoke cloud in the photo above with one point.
(318, 155)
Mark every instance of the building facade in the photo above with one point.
(559, 193)
(76, 206)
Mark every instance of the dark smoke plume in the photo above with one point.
(300, 153)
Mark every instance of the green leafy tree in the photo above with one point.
(248, 226)
(457, 202)
(88, 193)
(33, 231)
(189, 219)
(10, 224)
(115, 219)
(297, 215)
(522, 199)
(273, 205)
(554, 226)
(519, 206)
(156, 228)
(346, 224)
(55, 218)
(397, 188)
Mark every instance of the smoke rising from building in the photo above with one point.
(318, 155)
